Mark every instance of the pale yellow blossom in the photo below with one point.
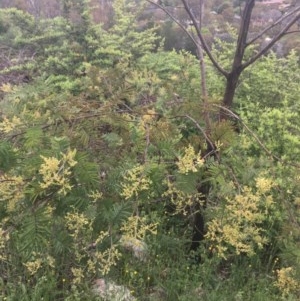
(182, 201)
(95, 195)
(137, 227)
(8, 126)
(237, 226)
(57, 172)
(135, 181)
(106, 259)
(4, 238)
(264, 185)
(50, 261)
(33, 266)
(6, 88)
(78, 275)
(190, 161)
(69, 157)
(76, 222)
(12, 190)
(286, 281)
(149, 116)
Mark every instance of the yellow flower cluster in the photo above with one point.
(264, 185)
(136, 181)
(50, 261)
(106, 259)
(8, 126)
(76, 223)
(95, 195)
(69, 158)
(286, 281)
(4, 238)
(56, 172)
(137, 227)
(180, 199)
(190, 161)
(78, 275)
(134, 232)
(35, 265)
(237, 225)
(80, 227)
(149, 116)
(49, 210)
(7, 88)
(11, 188)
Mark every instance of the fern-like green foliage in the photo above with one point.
(86, 172)
(35, 234)
(8, 156)
(33, 138)
(115, 213)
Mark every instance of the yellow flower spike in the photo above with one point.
(77, 274)
(135, 182)
(264, 185)
(69, 157)
(286, 281)
(7, 88)
(11, 188)
(149, 116)
(56, 172)
(8, 126)
(33, 266)
(95, 195)
(136, 228)
(50, 261)
(51, 165)
(190, 161)
(180, 199)
(239, 228)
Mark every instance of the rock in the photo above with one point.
(137, 247)
(110, 291)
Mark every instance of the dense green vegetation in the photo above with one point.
(103, 160)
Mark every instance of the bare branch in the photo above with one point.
(202, 63)
(285, 16)
(291, 32)
(175, 20)
(202, 40)
(147, 132)
(232, 114)
(243, 32)
(268, 152)
(202, 131)
(283, 32)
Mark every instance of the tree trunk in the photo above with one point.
(231, 85)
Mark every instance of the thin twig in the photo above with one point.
(202, 40)
(285, 16)
(202, 131)
(232, 114)
(272, 42)
(147, 132)
(175, 20)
